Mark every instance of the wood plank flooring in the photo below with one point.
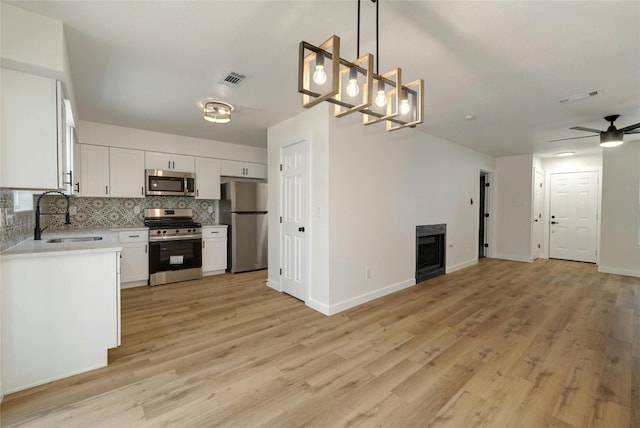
(500, 344)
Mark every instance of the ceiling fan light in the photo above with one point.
(611, 139)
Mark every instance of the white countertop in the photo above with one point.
(31, 248)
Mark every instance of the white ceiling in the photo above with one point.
(147, 64)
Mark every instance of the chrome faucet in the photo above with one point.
(37, 232)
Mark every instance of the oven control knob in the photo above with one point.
(164, 231)
(177, 231)
(159, 232)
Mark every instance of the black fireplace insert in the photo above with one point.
(430, 251)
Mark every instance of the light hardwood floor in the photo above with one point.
(500, 344)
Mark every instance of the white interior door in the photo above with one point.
(538, 207)
(573, 211)
(294, 220)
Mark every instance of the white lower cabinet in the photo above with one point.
(60, 313)
(134, 262)
(214, 249)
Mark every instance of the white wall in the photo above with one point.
(514, 205)
(311, 125)
(118, 136)
(380, 187)
(31, 43)
(620, 242)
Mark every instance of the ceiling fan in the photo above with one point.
(612, 137)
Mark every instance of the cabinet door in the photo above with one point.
(182, 163)
(207, 178)
(29, 149)
(95, 170)
(126, 173)
(134, 265)
(256, 170)
(232, 168)
(214, 254)
(157, 160)
(243, 169)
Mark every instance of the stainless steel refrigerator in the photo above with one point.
(243, 207)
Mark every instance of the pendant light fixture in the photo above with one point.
(349, 85)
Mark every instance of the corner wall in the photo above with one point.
(620, 224)
(372, 189)
(514, 205)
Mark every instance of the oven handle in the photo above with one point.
(153, 239)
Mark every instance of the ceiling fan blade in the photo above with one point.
(637, 131)
(629, 128)
(582, 128)
(573, 138)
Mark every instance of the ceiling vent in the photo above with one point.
(234, 79)
(578, 97)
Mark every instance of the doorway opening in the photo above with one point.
(483, 215)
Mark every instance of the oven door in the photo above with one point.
(175, 255)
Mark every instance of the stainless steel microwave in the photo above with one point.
(160, 182)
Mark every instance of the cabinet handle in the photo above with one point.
(106, 190)
(134, 236)
(70, 174)
(142, 190)
(198, 192)
(174, 164)
(145, 248)
(202, 244)
(169, 164)
(78, 187)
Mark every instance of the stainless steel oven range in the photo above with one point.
(175, 245)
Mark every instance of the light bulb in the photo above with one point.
(404, 106)
(352, 88)
(381, 99)
(320, 76)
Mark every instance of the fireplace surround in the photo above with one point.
(430, 251)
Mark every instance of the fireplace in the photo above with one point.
(430, 251)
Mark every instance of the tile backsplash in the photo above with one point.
(93, 213)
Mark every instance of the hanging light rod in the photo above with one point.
(399, 105)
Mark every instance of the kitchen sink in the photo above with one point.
(74, 239)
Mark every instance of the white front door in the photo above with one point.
(573, 216)
(294, 220)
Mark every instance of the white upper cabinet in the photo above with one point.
(126, 173)
(169, 161)
(243, 169)
(207, 178)
(111, 172)
(95, 171)
(29, 132)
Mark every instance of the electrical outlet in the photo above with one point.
(136, 209)
(367, 273)
(210, 210)
(9, 219)
(73, 210)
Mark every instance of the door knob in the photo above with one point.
(301, 229)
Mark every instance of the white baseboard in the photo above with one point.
(619, 271)
(133, 284)
(367, 297)
(462, 265)
(273, 284)
(318, 306)
(513, 258)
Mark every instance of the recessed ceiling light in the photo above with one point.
(565, 154)
(469, 117)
